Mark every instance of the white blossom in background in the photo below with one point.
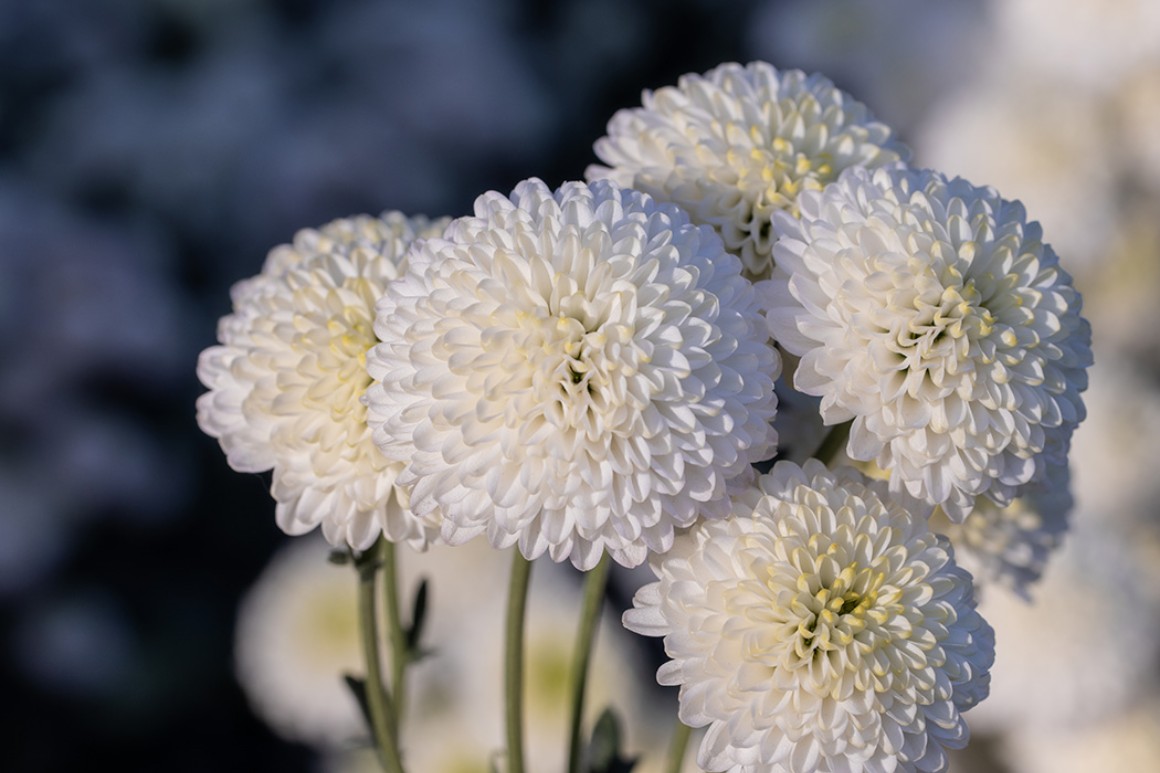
(1112, 450)
(1087, 44)
(297, 634)
(617, 679)
(1086, 647)
(737, 144)
(1137, 109)
(1037, 143)
(1123, 741)
(573, 372)
(1119, 298)
(823, 627)
(287, 381)
(461, 729)
(931, 314)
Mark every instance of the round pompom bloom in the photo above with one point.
(931, 313)
(575, 372)
(287, 381)
(821, 628)
(737, 144)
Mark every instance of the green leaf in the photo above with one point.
(418, 618)
(358, 687)
(604, 753)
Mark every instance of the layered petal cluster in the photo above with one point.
(931, 314)
(737, 144)
(575, 372)
(821, 628)
(1011, 545)
(287, 380)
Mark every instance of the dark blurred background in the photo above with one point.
(152, 151)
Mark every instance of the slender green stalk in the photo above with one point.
(677, 747)
(833, 442)
(594, 586)
(400, 653)
(378, 698)
(514, 661)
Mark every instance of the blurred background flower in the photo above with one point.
(152, 153)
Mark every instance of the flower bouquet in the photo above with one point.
(594, 373)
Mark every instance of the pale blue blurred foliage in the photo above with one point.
(225, 151)
(382, 102)
(897, 56)
(83, 302)
(79, 643)
(150, 155)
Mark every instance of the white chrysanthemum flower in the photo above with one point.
(287, 380)
(1011, 545)
(931, 313)
(739, 143)
(821, 628)
(576, 372)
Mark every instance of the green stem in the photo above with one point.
(514, 660)
(378, 698)
(400, 653)
(833, 442)
(582, 653)
(677, 747)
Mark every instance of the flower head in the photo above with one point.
(1011, 545)
(739, 143)
(574, 372)
(931, 313)
(821, 628)
(286, 383)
